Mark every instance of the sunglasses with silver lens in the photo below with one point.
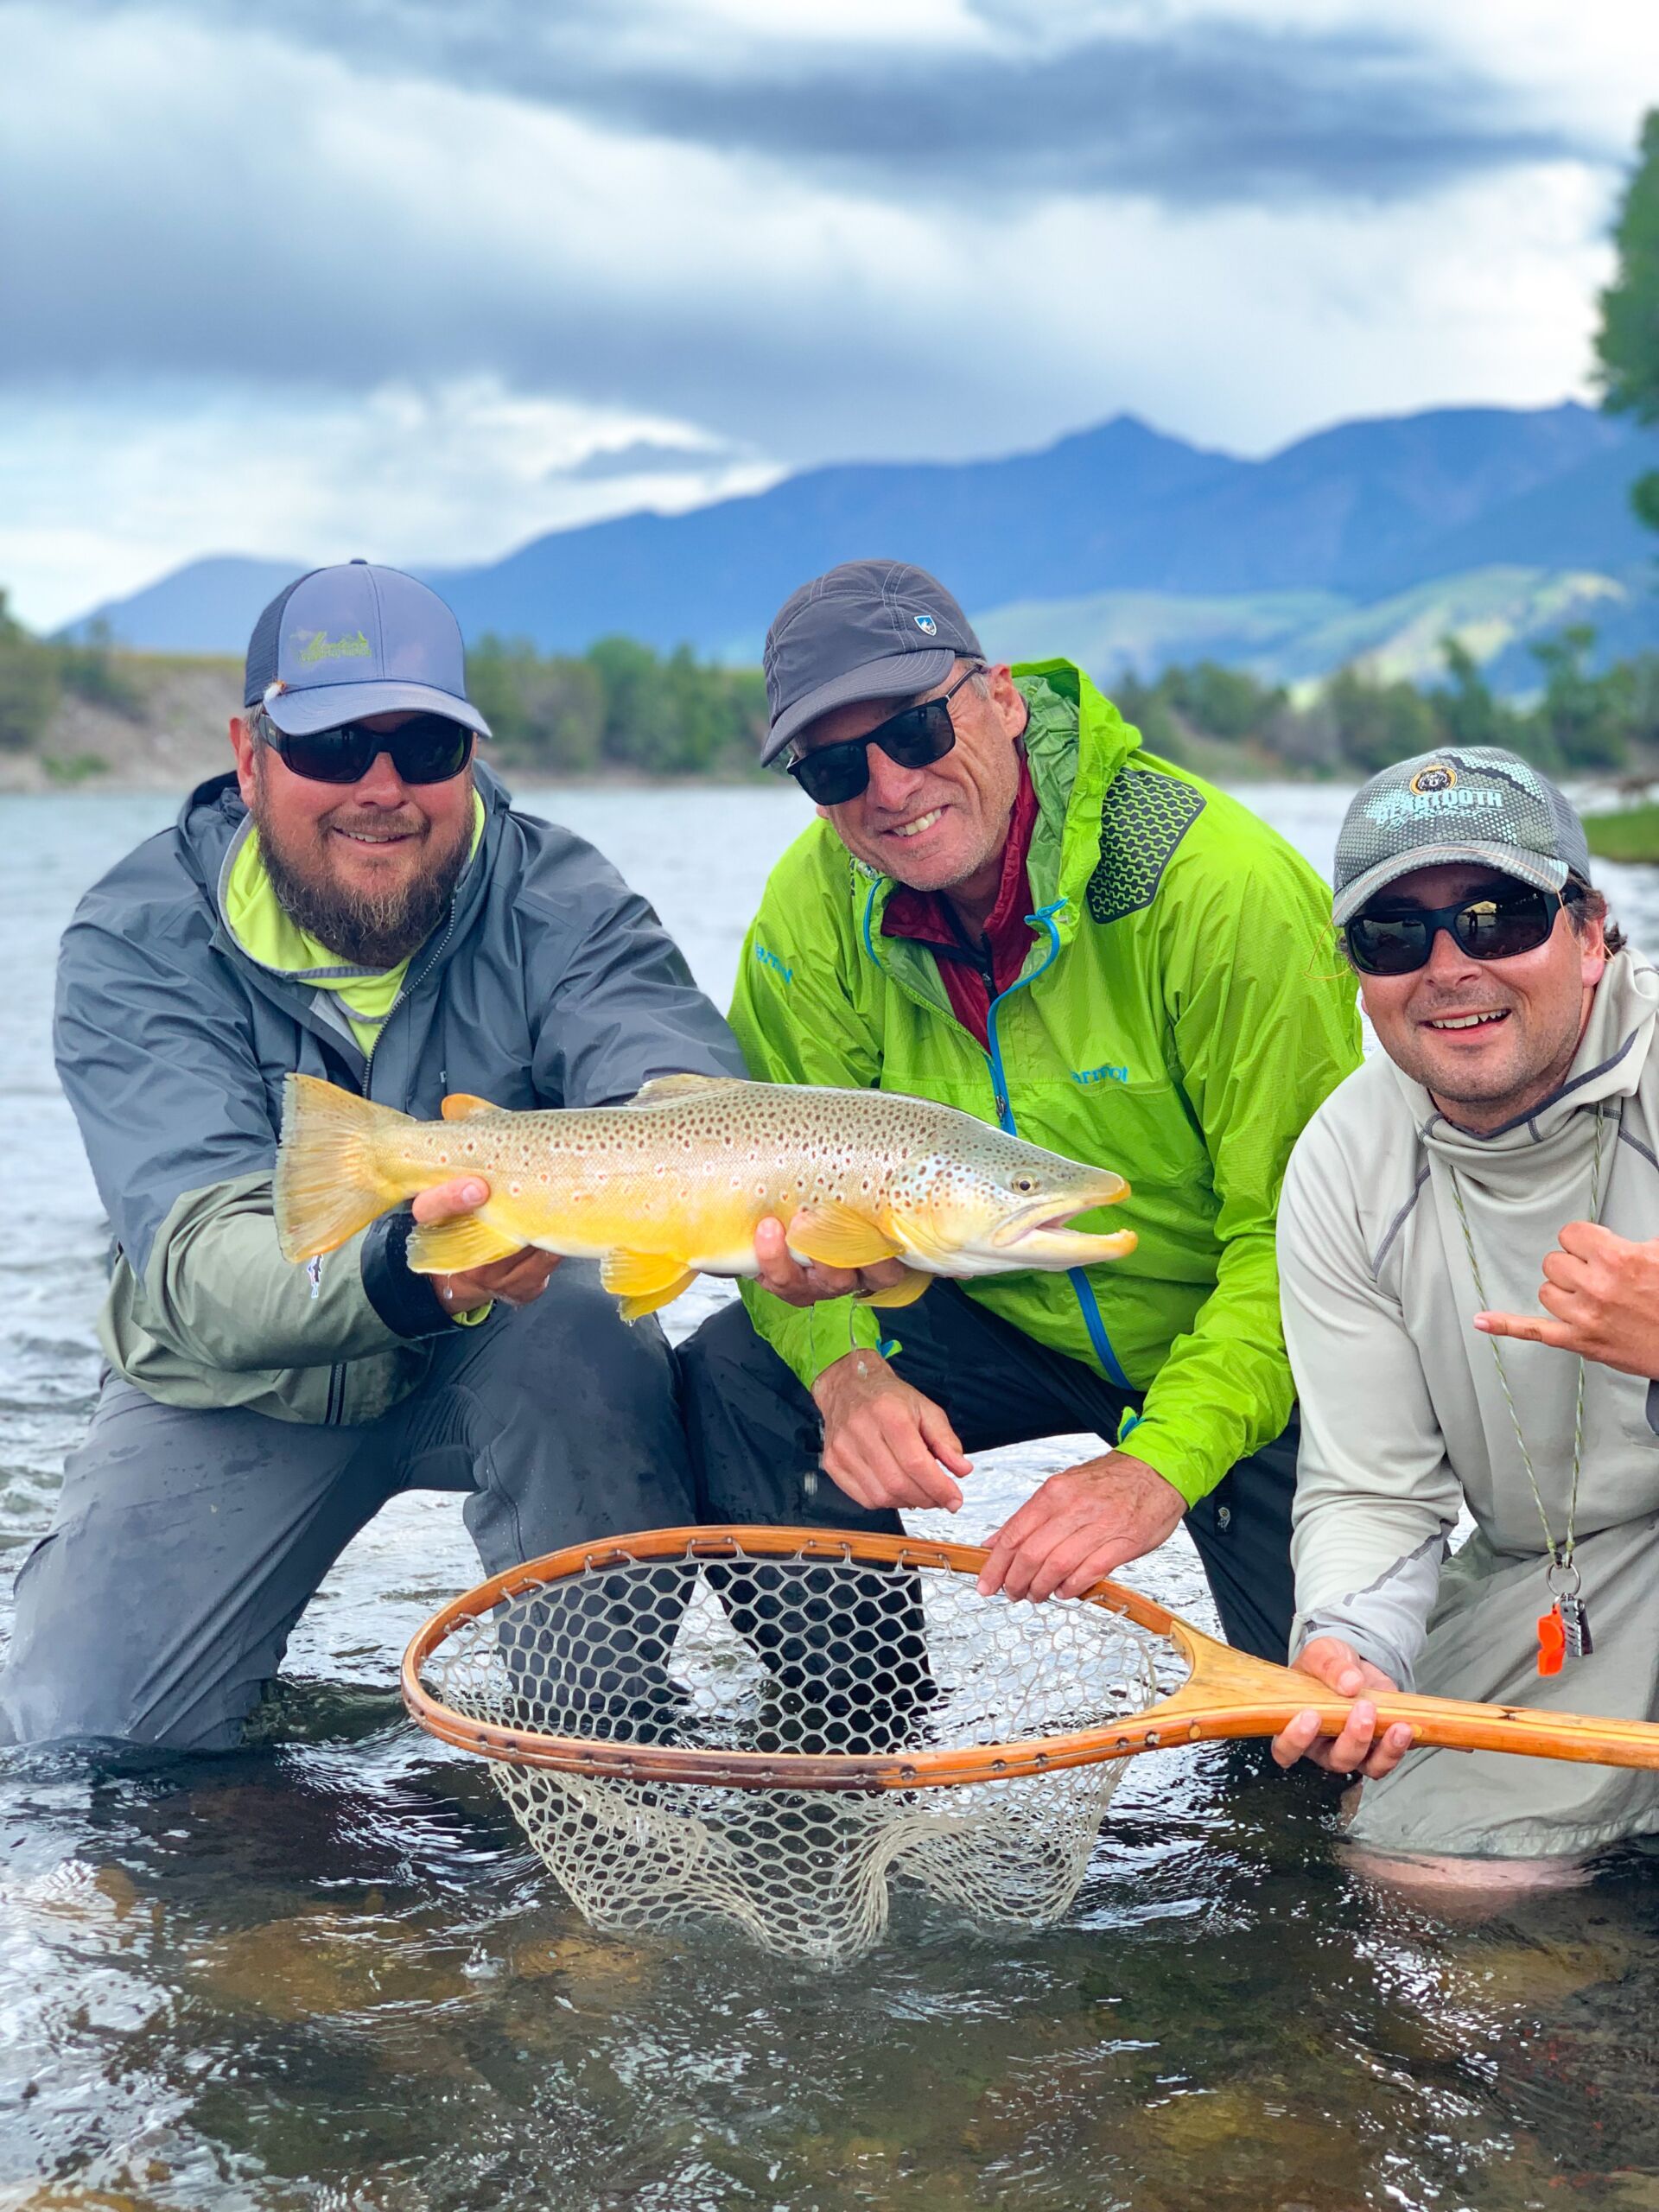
(426, 749)
(913, 738)
(1493, 925)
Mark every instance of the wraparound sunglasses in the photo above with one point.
(426, 749)
(1492, 925)
(915, 737)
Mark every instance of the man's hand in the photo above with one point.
(1359, 1749)
(1603, 1293)
(522, 1276)
(884, 1443)
(809, 1284)
(1080, 1525)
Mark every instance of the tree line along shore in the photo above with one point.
(90, 712)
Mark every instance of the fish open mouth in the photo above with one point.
(1051, 1213)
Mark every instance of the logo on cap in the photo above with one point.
(1434, 778)
(925, 624)
(323, 647)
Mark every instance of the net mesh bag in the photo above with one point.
(776, 1740)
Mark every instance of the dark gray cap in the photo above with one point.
(1468, 803)
(866, 630)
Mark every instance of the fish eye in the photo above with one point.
(1024, 1183)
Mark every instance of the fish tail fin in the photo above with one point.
(332, 1179)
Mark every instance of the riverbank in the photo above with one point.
(1629, 833)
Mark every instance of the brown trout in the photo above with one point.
(673, 1184)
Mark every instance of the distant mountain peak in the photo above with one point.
(1364, 509)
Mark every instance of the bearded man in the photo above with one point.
(354, 902)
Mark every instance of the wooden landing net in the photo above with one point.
(773, 1724)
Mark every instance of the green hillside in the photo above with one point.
(1297, 637)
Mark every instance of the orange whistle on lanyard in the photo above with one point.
(1552, 1642)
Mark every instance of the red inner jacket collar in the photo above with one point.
(974, 974)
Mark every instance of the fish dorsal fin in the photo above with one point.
(461, 1105)
(683, 1086)
(643, 1280)
(839, 1236)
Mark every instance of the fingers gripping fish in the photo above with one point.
(674, 1183)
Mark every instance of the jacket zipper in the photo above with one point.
(334, 1412)
(1082, 1289)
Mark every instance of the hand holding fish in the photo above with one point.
(1603, 1291)
(1359, 1749)
(515, 1281)
(1083, 1523)
(884, 1443)
(810, 1282)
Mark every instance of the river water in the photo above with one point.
(327, 1972)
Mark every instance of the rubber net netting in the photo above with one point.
(801, 1654)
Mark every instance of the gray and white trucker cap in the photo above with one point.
(342, 643)
(866, 630)
(1472, 802)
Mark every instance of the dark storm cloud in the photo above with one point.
(1192, 113)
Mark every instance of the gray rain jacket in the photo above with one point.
(1404, 1417)
(552, 984)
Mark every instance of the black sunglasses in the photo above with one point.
(915, 737)
(426, 749)
(1488, 925)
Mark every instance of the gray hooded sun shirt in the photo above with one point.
(1404, 1420)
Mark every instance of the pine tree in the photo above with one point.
(1627, 345)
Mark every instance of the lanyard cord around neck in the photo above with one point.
(1563, 1557)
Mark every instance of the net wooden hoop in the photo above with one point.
(1228, 1695)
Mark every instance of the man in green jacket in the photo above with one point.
(1007, 905)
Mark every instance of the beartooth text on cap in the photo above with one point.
(1390, 807)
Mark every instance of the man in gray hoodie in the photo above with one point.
(356, 901)
(1508, 1131)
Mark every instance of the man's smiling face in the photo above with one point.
(1487, 1039)
(938, 827)
(369, 867)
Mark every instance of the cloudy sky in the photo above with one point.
(420, 278)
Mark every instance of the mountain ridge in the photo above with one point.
(1366, 509)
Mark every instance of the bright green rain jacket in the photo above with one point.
(1182, 1011)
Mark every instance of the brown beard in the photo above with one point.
(366, 929)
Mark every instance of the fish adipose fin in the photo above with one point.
(643, 1280)
(453, 1248)
(330, 1181)
(905, 1292)
(839, 1236)
(461, 1105)
(683, 1086)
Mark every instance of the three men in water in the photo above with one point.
(1509, 1125)
(1009, 905)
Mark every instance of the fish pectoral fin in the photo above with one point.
(643, 1280)
(839, 1236)
(904, 1292)
(684, 1086)
(453, 1247)
(461, 1105)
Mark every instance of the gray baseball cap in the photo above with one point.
(342, 643)
(866, 630)
(1467, 803)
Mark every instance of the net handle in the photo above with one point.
(1228, 1694)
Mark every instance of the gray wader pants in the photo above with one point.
(755, 1437)
(187, 1544)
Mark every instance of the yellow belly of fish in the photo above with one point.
(653, 1230)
